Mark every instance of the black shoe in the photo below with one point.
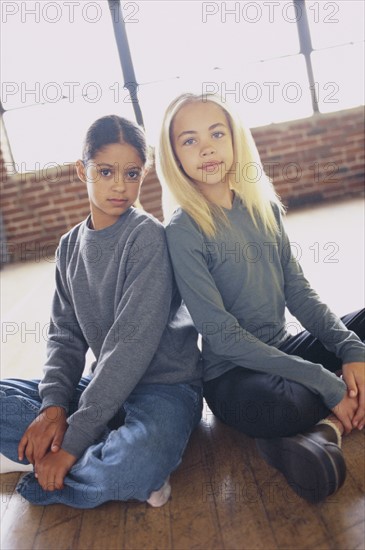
(312, 462)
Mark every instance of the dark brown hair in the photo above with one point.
(114, 129)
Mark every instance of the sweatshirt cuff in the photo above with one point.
(334, 398)
(76, 442)
(54, 400)
(356, 355)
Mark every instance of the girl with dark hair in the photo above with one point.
(118, 433)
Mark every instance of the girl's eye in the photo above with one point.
(189, 141)
(132, 175)
(218, 134)
(105, 172)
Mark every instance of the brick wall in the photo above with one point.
(315, 159)
(309, 160)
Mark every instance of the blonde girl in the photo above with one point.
(236, 273)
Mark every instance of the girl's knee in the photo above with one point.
(291, 415)
(17, 412)
(269, 413)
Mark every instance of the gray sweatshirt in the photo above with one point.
(236, 286)
(115, 294)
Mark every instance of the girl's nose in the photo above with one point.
(119, 183)
(207, 150)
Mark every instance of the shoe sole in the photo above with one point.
(314, 471)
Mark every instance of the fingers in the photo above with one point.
(41, 450)
(346, 422)
(359, 418)
(48, 485)
(53, 468)
(58, 481)
(345, 412)
(351, 385)
(46, 482)
(354, 376)
(57, 440)
(50, 478)
(44, 477)
(26, 450)
(21, 447)
(29, 453)
(355, 389)
(358, 421)
(44, 433)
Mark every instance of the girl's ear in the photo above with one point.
(80, 170)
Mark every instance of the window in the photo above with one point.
(334, 23)
(64, 70)
(337, 33)
(339, 77)
(62, 74)
(220, 47)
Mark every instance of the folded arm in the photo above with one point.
(222, 331)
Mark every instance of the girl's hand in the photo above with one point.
(45, 433)
(354, 377)
(52, 469)
(345, 411)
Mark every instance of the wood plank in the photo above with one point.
(351, 539)
(240, 514)
(275, 517)
(354, 451)
(193, 518)
(346, 508)
(103, 527)
(7, 487)
(147, 527)
(20, 524)
(59, 528)
(224, 496)
(292, 519)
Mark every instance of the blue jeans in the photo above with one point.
(134, 457)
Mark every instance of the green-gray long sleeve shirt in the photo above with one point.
(236, 287)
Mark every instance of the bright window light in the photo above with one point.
(271, 91)
(53, 134)
(335, 23)
(61, 70)
(277, 91)
(58, 79)
(339, 77)
(185, 38)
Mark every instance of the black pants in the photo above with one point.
(265, 405)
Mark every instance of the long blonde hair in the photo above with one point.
(257, 193)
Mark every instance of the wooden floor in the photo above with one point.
(223, 495)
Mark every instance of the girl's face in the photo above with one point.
(113, 178)
(202, 142)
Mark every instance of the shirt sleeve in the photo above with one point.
(315, 316)
(222, 331)
(66, 347)
(130, 344)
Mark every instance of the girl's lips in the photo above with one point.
(118, 201)
(210, 166)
